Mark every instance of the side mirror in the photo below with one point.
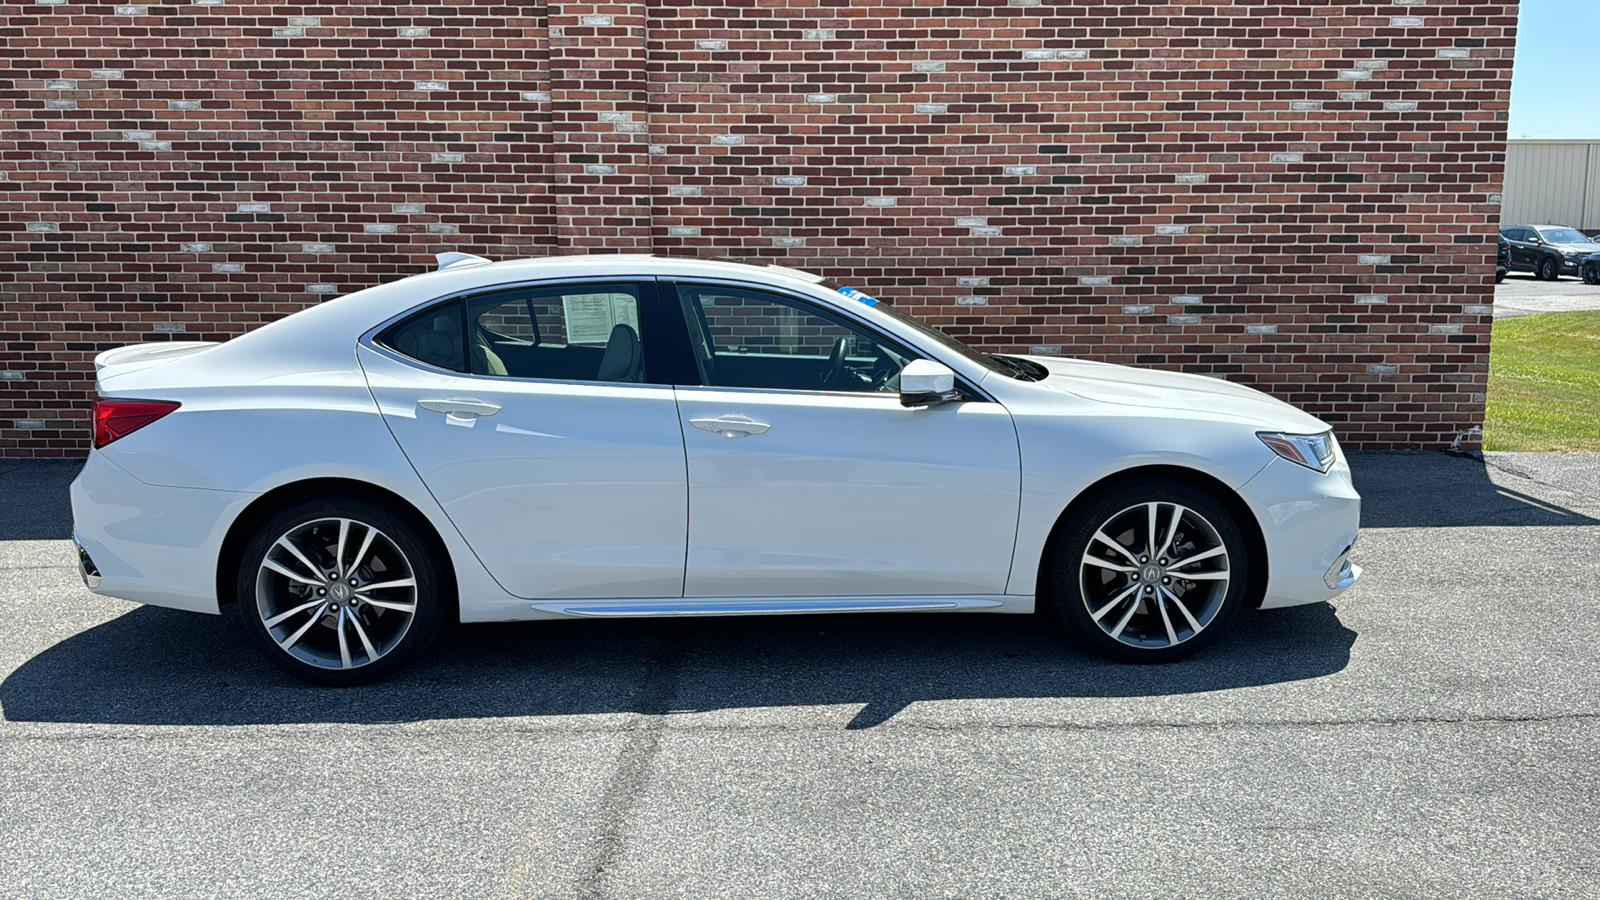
(924, 382)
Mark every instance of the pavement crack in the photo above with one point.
(627, 784)
(1512, 469)
(644, 734)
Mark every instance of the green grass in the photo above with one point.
(1544, 383)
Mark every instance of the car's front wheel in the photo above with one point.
(340, 590)
(1547, 269)
(1151, 570)
(1591, 274)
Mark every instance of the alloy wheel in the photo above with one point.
(336, 593)
(1154, 575)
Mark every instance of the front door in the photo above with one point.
(807, 477)
(543, 421)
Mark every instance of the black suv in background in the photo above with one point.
(1502, 260)
(1548, 251)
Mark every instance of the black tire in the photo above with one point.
(1548, 270)
(1591, 274)
(319, 641)
(1499, 275)
(1144, 633)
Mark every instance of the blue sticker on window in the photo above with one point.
(854, 294)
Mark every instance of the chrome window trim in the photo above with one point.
(368, 338)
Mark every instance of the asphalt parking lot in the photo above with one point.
(1435, 732)
(1521, 294)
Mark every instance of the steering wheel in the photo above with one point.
(834, 373)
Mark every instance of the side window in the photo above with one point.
(753, 339)
(432, 336)
(574, 333)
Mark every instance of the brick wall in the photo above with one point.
(1297, 194)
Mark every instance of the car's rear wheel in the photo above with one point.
(1499, 275)
(1152, 570)
(340, 590)
(1547, 269)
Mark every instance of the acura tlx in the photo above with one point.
(637, 436)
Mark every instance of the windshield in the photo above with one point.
(1563, 236)
(1009, 366)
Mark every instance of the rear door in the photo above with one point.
(543, 420)
(1524, 253)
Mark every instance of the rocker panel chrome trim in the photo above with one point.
(747, 606)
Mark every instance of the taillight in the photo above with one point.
(114, 419)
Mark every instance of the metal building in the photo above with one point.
(1552, 182)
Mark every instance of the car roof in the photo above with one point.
(626, 264)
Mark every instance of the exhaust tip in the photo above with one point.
(87, 570)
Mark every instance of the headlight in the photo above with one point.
(1569, 254)
(1314, 451)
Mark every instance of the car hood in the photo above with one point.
(1152, 389)
(1576, 248)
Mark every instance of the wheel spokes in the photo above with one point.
(344, 642)
(292, 575)
(1153, 513)
(338, 553)
(1107, 564)
(293, 639)
(384, 585)
(387, 604)
(366, 544)
(290, 583)
(1126, 617)
(1191, 560)
(1099, 614)
(366, 642)
(1172, 530)
(1194, 625)
(288, 545)
(280, 618)
(1166, 620)
(1102, 538)
(1132, 596)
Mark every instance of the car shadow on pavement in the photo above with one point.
(1448, 490)
(37, 506)
(159, 667)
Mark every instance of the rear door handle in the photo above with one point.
(460, 407)
(731, 425)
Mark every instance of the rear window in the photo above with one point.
(432, 336)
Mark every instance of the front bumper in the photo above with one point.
(1310, 521)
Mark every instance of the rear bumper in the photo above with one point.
(149, 544)
(1310, 521)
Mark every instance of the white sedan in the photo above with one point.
(637, 436)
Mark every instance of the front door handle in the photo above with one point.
(731, 425)
(460, 407)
